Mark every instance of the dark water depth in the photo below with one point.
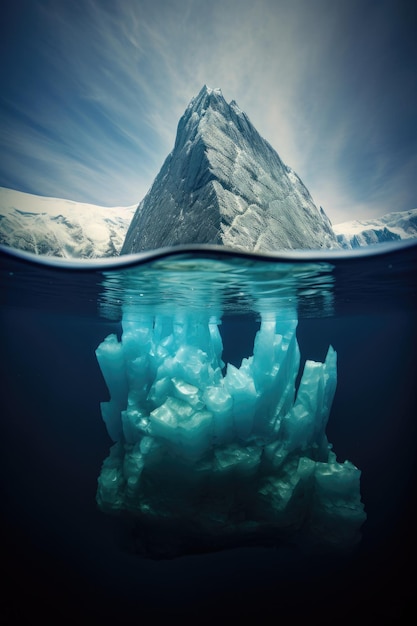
(66, 562)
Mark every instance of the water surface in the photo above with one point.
(59, 545)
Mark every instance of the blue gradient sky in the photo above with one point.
(92, 91)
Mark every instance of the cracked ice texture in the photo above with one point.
(223, 455)
(224, 184)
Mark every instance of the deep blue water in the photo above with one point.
(67, 560)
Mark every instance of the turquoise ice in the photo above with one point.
(221, 453)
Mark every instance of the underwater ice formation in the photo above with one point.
(208, 456)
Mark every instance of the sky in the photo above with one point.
(92, 91)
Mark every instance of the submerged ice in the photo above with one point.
(209, 455)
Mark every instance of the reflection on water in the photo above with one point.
(229, 285)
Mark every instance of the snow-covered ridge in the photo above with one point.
(389, 227)
(62, 228)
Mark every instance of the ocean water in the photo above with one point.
(65, 559)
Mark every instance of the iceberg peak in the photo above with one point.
(208, 92)
(224, 184)
(207, 98)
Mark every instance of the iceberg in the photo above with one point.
(224, 184)
(207, 455)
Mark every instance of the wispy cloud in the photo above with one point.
(97, 116)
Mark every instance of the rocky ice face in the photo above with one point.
(224, 184)
(208, 456)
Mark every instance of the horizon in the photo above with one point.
(92, 94)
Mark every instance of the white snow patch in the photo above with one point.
(60, 227)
